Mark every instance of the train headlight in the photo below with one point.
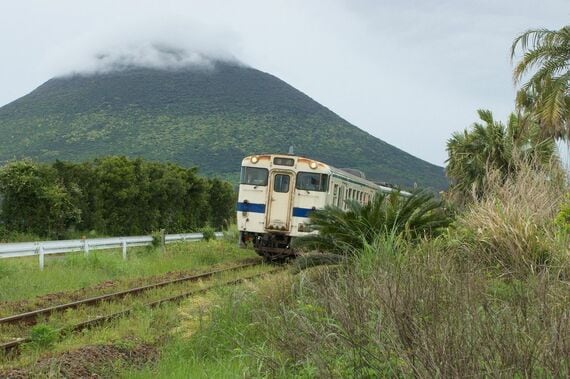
(313, 165)
(254, 159)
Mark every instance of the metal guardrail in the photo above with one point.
(42, 248)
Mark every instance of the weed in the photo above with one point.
(157, 238)
(231, 235)
(208, 233)
(43, 335)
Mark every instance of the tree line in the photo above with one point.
(112, 195)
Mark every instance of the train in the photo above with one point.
(278, 192)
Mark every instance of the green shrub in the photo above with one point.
(43, 335)
(157, 238)
(413, 217)
(208, 233)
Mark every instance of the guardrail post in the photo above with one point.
(124, 243)
(162, 240)
(41, 252)
(85, 247)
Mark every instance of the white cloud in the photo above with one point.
(141, 43)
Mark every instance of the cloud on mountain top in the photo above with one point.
(140, 44)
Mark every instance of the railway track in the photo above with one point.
(14, 345)
(30, 317)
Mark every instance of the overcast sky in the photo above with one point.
(408, 72)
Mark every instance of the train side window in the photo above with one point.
(311, 181)
(335, 194)
(254, 176)
(281, 183)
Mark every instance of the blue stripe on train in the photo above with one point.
(302, 212)
(251, 207)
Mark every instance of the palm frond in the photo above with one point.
(546, 54)
(348, 232)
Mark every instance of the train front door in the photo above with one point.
(279, 202)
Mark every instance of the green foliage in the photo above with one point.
(157, 239)
(222, 199)
(43, 335)
(208, 233)
(113, 196)
(493, 146)
(546, 94)
(412, 217)
(34, 200)
(205, 118)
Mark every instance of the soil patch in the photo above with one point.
(94, 361)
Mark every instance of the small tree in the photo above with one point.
(492, 145)
(411, 217)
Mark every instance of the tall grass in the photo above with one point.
(394, 310)
(511, 227)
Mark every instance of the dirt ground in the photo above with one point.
(95, 361)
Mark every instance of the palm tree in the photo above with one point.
(547, 92)
(410, 217)
(492, 145)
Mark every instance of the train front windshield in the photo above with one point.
(254, 176)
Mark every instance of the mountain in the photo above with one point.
(208, 117)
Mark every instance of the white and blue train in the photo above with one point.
(278, 192)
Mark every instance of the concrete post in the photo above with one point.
(42, 253)
(124, 243)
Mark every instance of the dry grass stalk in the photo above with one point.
(512, 224)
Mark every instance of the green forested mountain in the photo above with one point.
(208, 118)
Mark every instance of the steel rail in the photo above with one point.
(97, 299)
(15, 344)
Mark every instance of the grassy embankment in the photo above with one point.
(144, 326)
(491, 297)
(21, 279)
